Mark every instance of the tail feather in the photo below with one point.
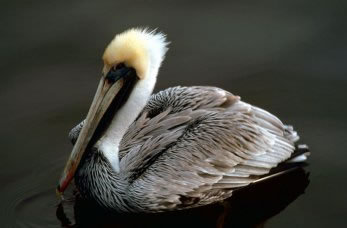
(296, 160)
(290, 133)
(300, 154)
(301, 150)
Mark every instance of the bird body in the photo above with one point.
(180, 148)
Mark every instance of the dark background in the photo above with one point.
(288, 57)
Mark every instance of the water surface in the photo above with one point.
(287, 57)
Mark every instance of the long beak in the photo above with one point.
(105, 93)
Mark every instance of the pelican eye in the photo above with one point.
(117, 72)
(118, 66)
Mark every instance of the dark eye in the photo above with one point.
(118, 66)
(117, 72)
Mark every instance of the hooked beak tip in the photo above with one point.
(58, 191)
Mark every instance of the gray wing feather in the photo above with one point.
(192, 146)
(73, 134)
(195, 145)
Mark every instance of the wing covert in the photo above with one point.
(205, 152)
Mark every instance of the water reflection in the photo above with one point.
(251, 206)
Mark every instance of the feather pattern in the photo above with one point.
(190, 146)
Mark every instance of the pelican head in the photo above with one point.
(131, 62)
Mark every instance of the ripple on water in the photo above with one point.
(32, 201)
(37, 209)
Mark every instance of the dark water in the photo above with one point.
(286, 56)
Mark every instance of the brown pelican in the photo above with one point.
(183, 147)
